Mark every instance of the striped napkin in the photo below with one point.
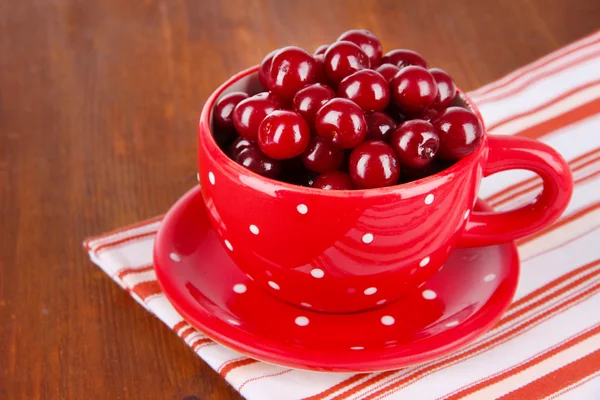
(547, 345)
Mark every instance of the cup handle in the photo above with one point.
(509, 152)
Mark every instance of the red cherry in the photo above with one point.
(249, 155)
(396, 113)
(343, 59)
(333, 180)
(341, 122)
(373, 164)
(446, 88)
(265, 69)
(460, 133)
(404, 58)
(415, 143)
(291, 69)
(310, 99)
(413, 90)
(321, 156)
(320, 60)
(223, 111)
(321, 50)
(367, 42)
(283, 134)
(366, 88)
(388, 71)
(379, 125)
(249, 113)
(412, 174)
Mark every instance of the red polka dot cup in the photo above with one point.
(344, 251)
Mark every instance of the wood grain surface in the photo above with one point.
(99, 102)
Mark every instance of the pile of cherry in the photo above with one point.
(345, 117)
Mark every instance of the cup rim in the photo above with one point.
(205, 135)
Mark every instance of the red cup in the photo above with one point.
(344, 251)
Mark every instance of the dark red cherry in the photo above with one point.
(446, 88)
(291, 69)
(249, 155)
(310, 99)
(396, 113)
(415, 143)
(366, 88)
(373, 164)
(388, 71)
(321, 50)
(412, 174)
(431, 114)
(283, 134)
(223, 111)
(379, 125)
(265, 69)
(368, 43)
(343, 59)
(321, 77)
(333, 180)
(321, 156)
(249, 113)
(460, 133)
(341, 122)
(404, 58)
(413, 89)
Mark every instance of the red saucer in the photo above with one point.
(461, 302)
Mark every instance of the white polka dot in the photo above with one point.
(239, 288)
(367, 238)
(357, 348)
(429, 294)
(301, 321)
(451, 324)
(388, 320)
(429, 199)
(424, 261)
(317, 273)
(489, 277)
(370, 291)
(228, 244)
(380, 302)
(302, 208)
(254, 229)
(274, 285)
(211, 178)
(233, 322)
(175, 257)
(466, 214)
(306, 305)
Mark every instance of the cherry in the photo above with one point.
(320, 156)
(431, 114)
(333, 180)
(396, 113)
(388, 71)
(265, 69)
(413, 89)
(412, 174)
(460, 133)
(373, 164)
(283, 134)
(309, 99)
(249, 113)
(366, 88)
(320, 60)
(379, 125)
(343, 59)
(341, 122)
(222, 114)
(291, 69)
(249, 155)
(446, 88)
(404, 58)
(367, 42)
(415, 143)
(321, 50)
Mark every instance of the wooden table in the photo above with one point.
(98, 108)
